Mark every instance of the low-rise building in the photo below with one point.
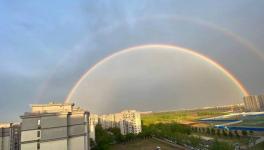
(55, 127)
(10, 136)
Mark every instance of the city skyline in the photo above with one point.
(47, 48)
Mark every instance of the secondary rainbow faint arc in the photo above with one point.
(185, 50)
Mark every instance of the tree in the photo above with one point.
(230, 134)
(102, 138)
(244, 133)
(118, 137)
(217, 145)
(236, 133)
(195, 141)
(218, 132)
(208, 131)
(224, 133)
(251, 132)
(213, 131)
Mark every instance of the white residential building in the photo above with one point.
(93, 121)
(55, 127)
(129, 121)
(254, 102)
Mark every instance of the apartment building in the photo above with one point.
(55, 127)
(107, 121)
(93, 121)
(129, 121)
(10, 136)
(254, 103)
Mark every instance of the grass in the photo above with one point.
(260, 146)
(178, 116)
(148, 144)
(254, 121)
(241, 140)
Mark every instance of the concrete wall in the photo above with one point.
(29, 146)
(76, 130)
(54, 145)
(29, 124)
(58, 131)
(53, 133)
(76, 119)
(5, 143)
(52, 107)
(53, 121)
(76, 143)
(30, 135)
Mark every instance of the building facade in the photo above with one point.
(129, 121)
(10, 136)
(254, 103)
(93, 121)
(55, 127)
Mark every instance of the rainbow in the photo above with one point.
(185, 50)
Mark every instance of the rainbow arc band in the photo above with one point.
(171, 47)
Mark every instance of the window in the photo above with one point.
(38, 133)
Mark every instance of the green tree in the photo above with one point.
(230, 134)
(118, 137)
(251, 132)
(244, 133)
(224, 133)
(92, 143)
(213, 131)
(236, 133)
(208, 131)
(217, 145)
(218, 132)
(102, 138)
(195, 141)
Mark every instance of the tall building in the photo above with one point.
(55, 127)
(130, 122)
(107, 121)
(10, 136)
(93, 121)
(254, 103)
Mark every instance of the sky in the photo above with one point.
(46, 46)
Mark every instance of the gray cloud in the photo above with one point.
(43, 53)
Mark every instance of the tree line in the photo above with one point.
(172, 132)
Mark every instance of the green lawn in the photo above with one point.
(254, 121)
(178, 116)
(149, 144)
(258, 147)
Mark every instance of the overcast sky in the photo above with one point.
(46, 46)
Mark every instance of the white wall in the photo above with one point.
(76, 143)
(29, 146)
(30, 135)
(92, 131)
(5, 143)
(54, 145)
